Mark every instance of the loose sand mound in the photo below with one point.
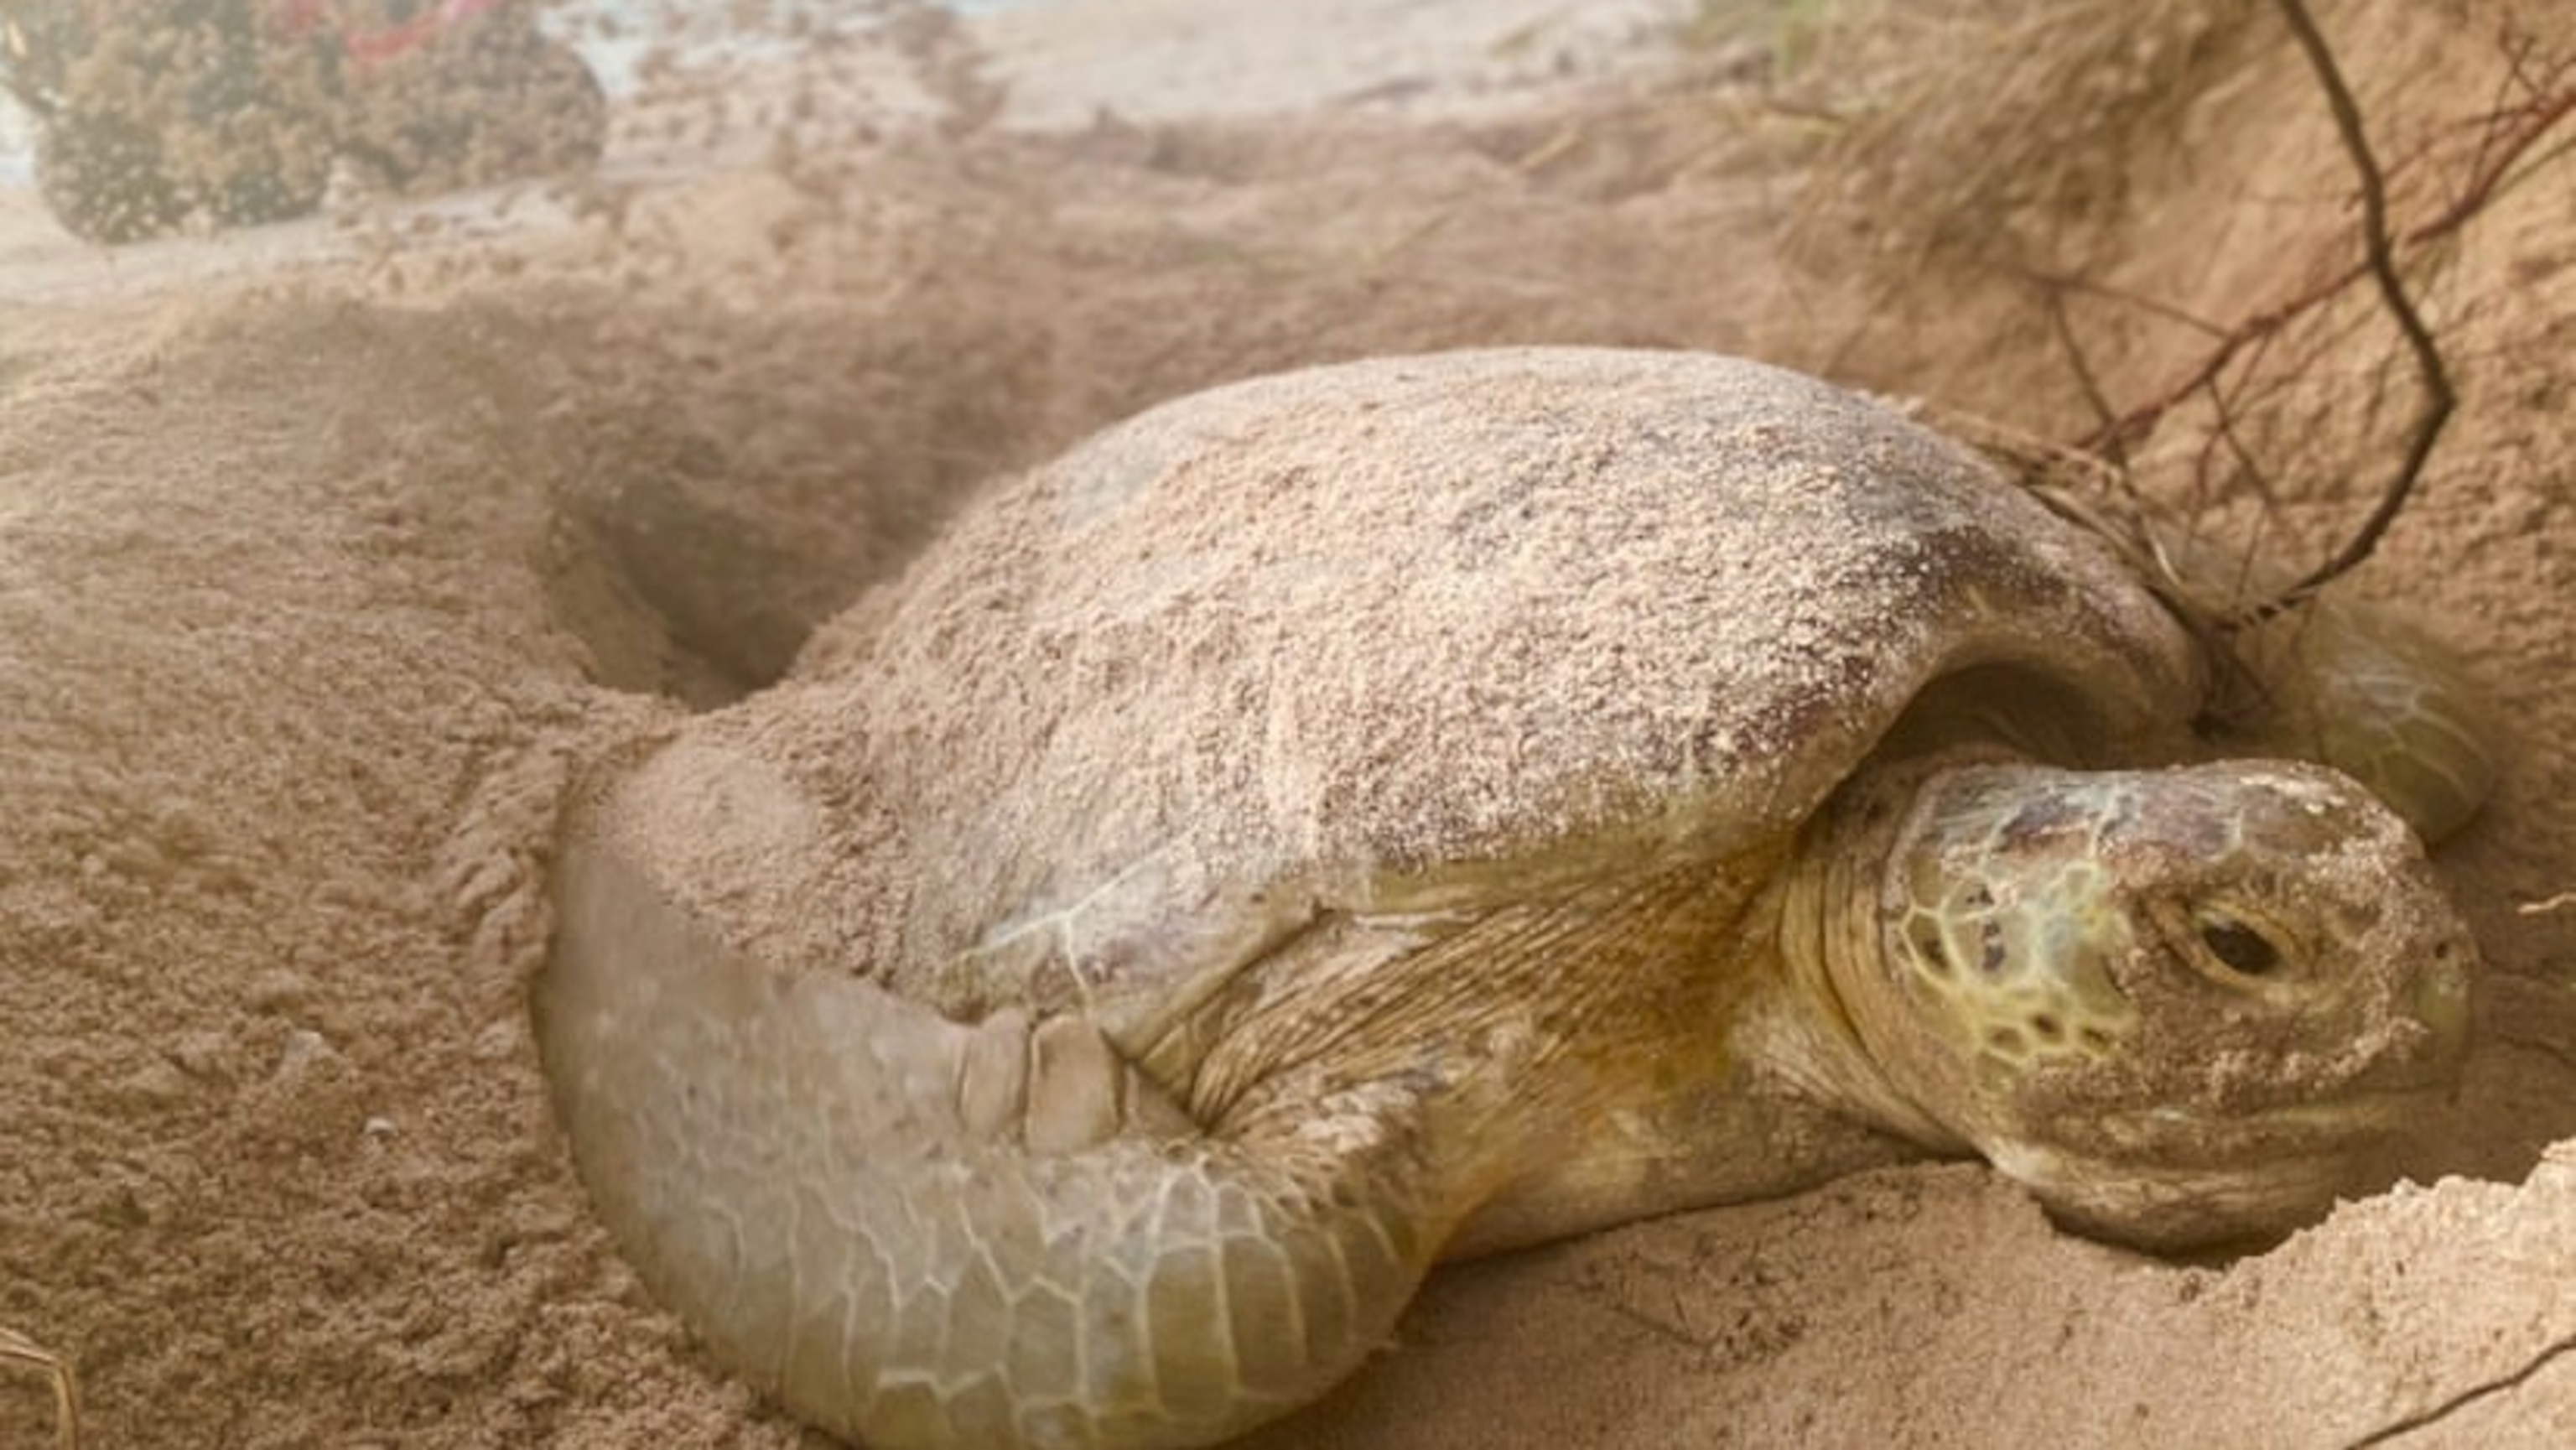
(326, 558)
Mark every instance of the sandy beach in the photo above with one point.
(334, 553)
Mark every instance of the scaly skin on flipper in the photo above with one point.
(792, 1153)
(1429, 805)
(2342, 684)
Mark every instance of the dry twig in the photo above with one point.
(17, 1347)
(2439, 398)
(2518, 132)
(2509, 142)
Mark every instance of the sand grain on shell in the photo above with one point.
(1428, 611)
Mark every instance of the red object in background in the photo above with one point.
(238, 111)
(372, 45)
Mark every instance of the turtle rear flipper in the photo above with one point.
(2344, 684)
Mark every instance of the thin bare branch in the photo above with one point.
(2516, 139)
(2076, 362)
(2439, 398)
(2063, 282)
(18, 1347)
(2547, 1355)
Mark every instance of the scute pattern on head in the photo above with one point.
(2174, 1002)
(1512, 525)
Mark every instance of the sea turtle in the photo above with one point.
(1422, 806)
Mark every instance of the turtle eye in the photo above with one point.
(2241, 948)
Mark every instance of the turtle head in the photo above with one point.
(2183, 1006)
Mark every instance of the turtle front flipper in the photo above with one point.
(848, 1196)
(2341, 684)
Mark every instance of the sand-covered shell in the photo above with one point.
(1302, 638)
